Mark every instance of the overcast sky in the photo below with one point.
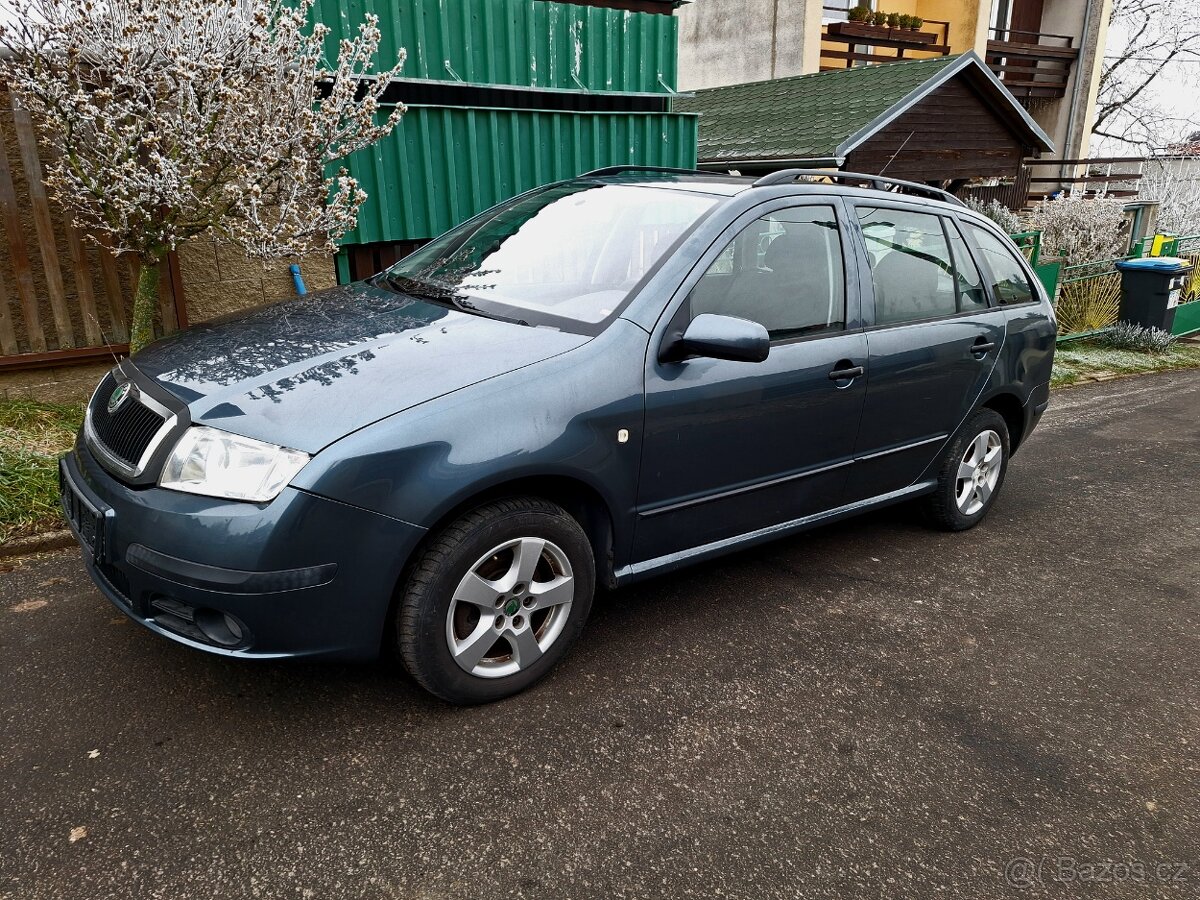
(1176, 89)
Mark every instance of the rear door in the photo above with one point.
(731, 447)
(932, 342)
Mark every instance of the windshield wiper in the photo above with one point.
(445, 296)
(468, 306)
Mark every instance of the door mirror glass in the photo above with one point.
(724, 337)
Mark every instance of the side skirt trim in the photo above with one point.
(637, 571)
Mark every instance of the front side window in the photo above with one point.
(568, 254)
(1009, 284)
(784, 271)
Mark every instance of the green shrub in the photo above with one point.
(1127, 336)
(997, 212)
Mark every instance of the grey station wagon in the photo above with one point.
(600, 380)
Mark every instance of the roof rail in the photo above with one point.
(878, 182)
(617, 170)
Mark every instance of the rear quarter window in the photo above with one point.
(1005, 269)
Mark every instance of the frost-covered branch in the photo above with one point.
(168, 119)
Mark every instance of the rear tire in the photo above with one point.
(971, 475)
(496, 599)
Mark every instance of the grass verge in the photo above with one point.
(32, 437)
(1090, 360)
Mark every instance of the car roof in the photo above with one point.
(709, 183)
(785, 181)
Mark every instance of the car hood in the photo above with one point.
(305, 372)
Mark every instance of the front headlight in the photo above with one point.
(218, 464)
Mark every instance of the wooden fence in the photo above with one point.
(63, 300)
(1012, 193)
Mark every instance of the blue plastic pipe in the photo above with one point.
(298, 279)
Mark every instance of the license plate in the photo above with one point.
(86, 520)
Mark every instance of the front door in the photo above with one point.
(731, 447)
(931, 348)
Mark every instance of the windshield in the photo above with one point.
(568, 254)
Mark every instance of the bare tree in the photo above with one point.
(169, 119)
(1145, 38)
(1175, 183)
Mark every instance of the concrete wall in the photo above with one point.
(969, 20)
(1072, 133)
(967, 29)
(219, 279)
(735, 41)
(64, 384)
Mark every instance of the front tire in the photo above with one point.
(495, 600)
(971, 474)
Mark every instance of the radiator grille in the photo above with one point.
(126, 432)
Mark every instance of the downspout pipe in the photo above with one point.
(1089, 8)
(298, 279)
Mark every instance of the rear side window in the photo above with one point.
(911, 265)
(1009, 284)
(784, 271)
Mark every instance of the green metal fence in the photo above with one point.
(518, 42)
(444, 164)
(1030, 243)
(1187, 314)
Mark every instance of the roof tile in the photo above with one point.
(803, 116)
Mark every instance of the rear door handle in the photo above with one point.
(844, 374)
(981, 347)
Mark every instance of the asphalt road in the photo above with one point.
(871, 710)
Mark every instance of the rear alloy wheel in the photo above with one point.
(495, 600)
(971, 474)
(978, 473)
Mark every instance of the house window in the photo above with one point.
(836, 10)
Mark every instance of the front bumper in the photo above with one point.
(299, 576)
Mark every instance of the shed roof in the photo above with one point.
(828, 114)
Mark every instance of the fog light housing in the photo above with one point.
(221, 628)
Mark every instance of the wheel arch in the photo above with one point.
(1012, 410)
(581, 500)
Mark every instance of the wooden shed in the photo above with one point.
(941, 121)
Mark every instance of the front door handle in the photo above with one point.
(846, 373)
(982, 347)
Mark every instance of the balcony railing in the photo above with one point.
(867, 44)
(1033, 65)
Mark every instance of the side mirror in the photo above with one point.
(722, 337)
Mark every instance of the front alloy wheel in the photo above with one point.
(495, 599)
(510, 607)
